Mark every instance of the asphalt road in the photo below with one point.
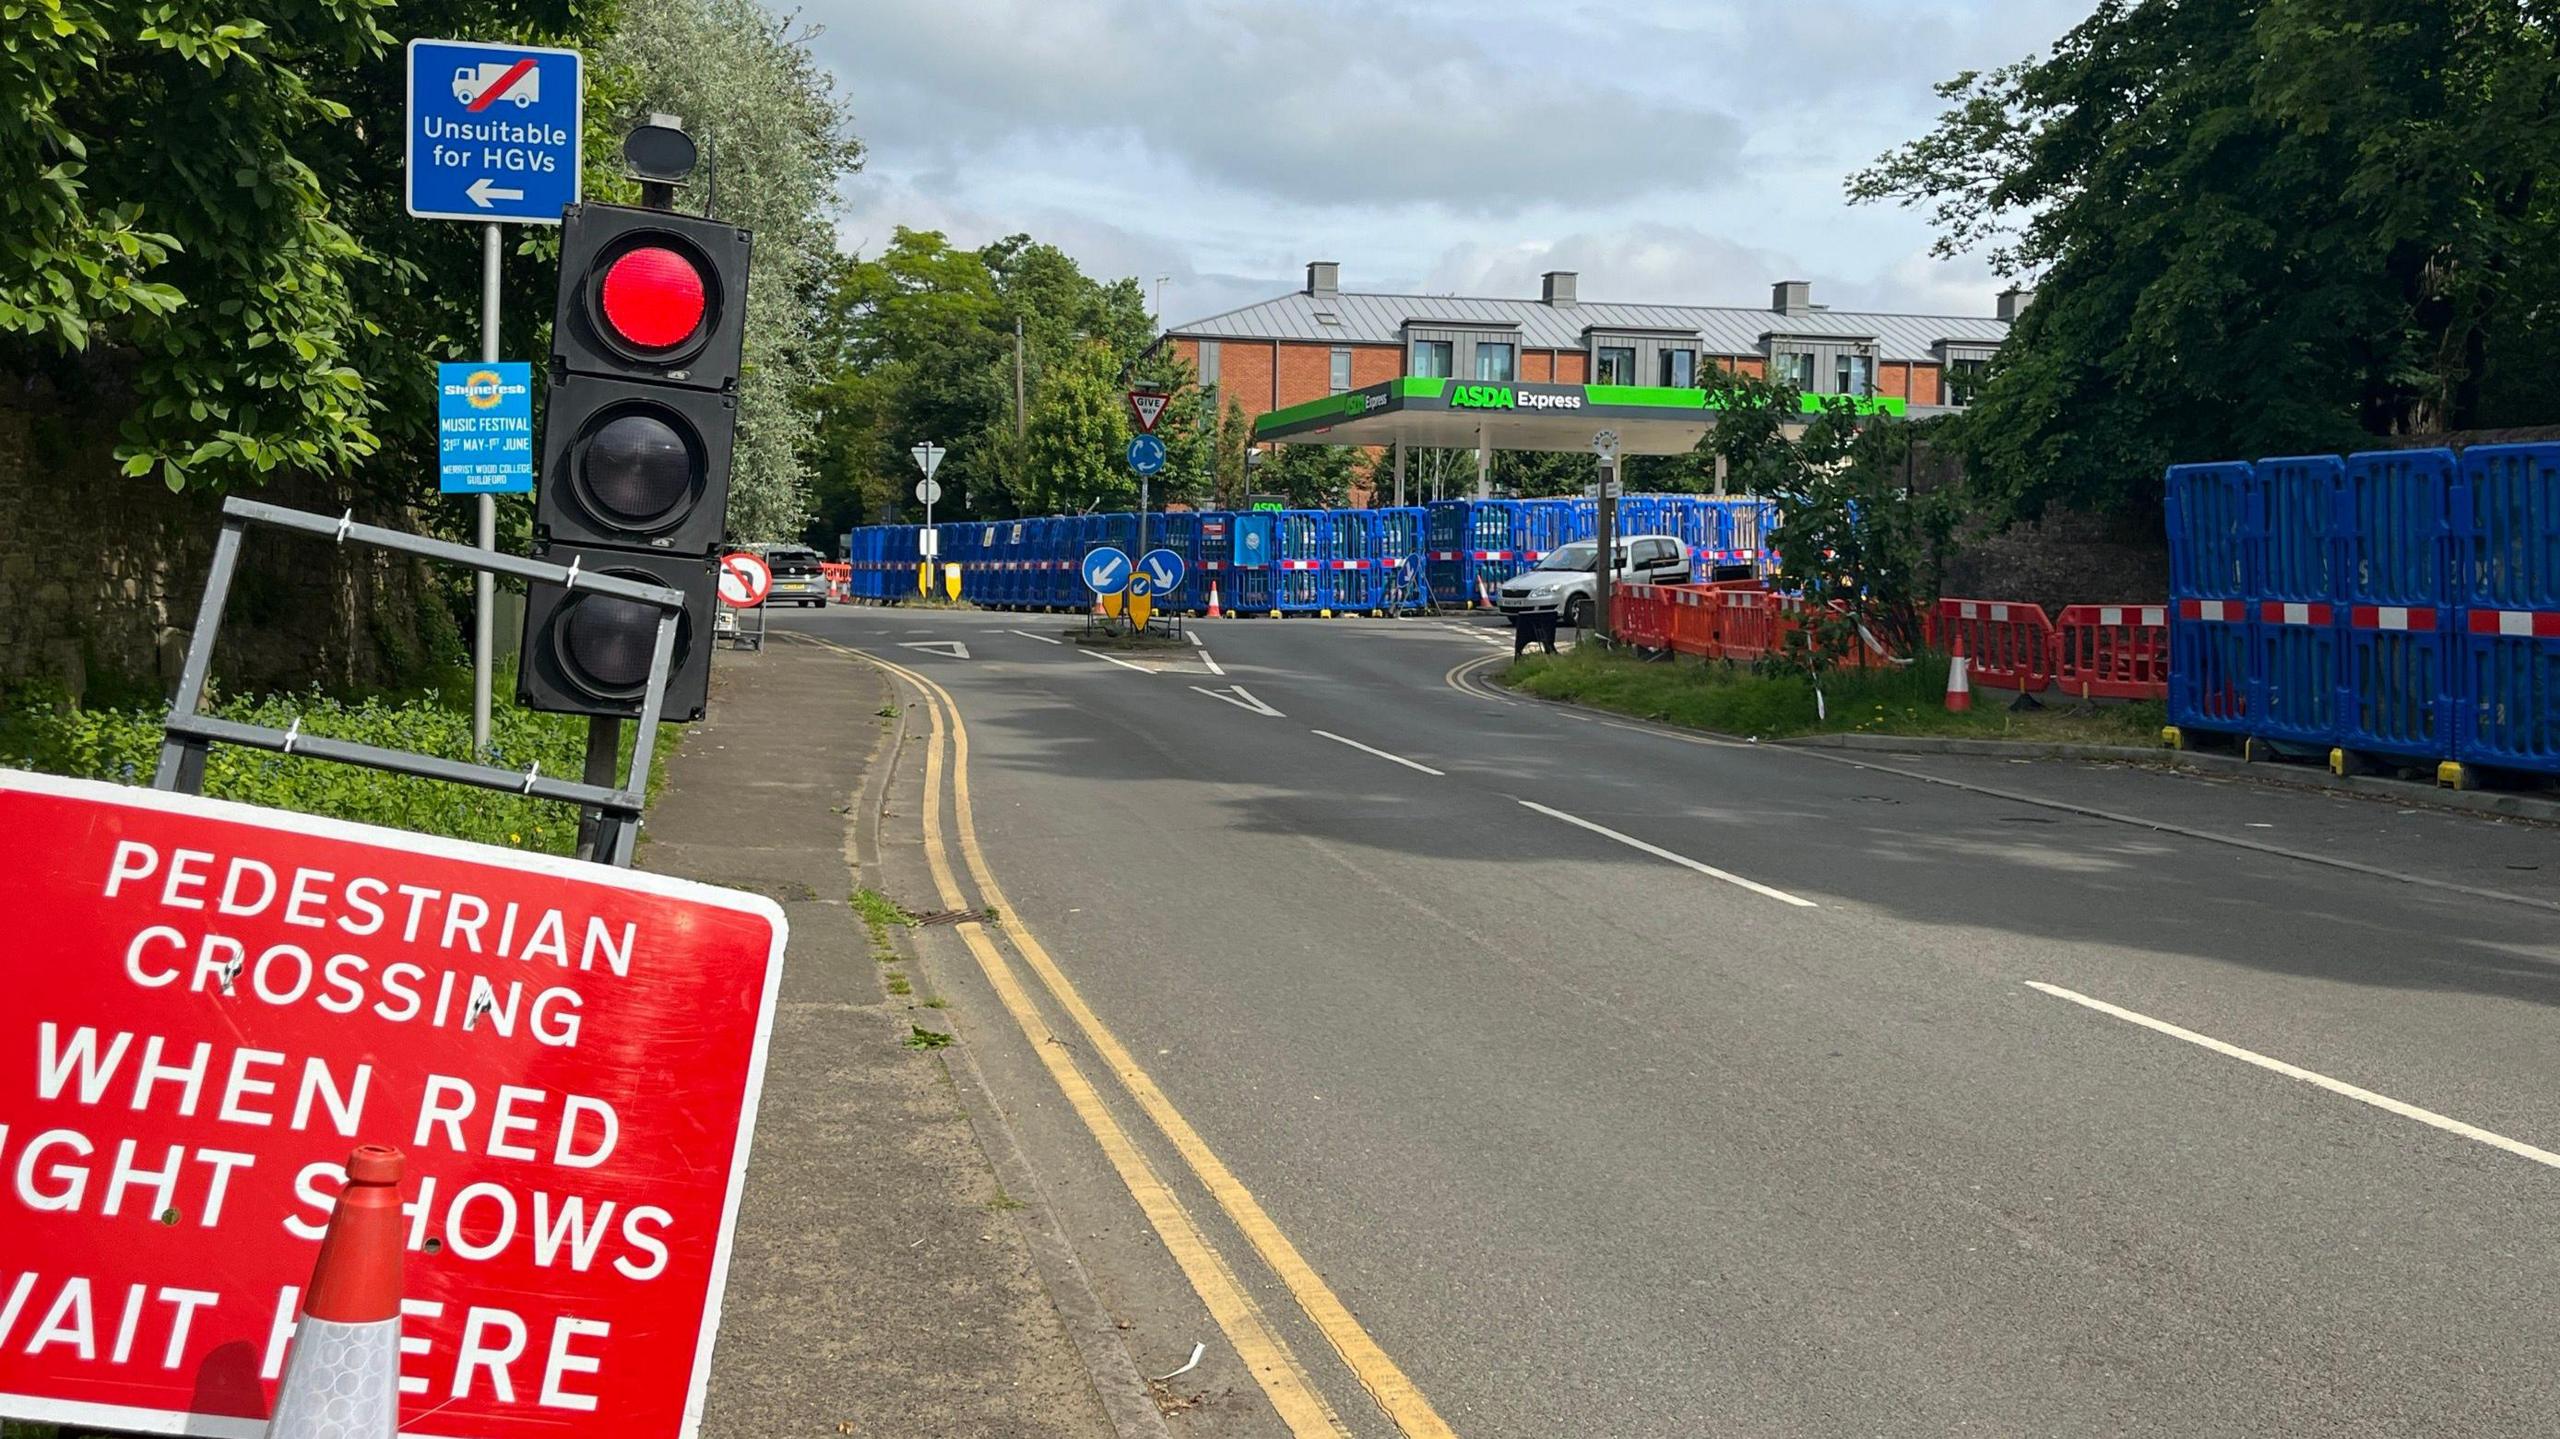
(1628, 1084)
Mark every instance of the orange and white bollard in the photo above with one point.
(342, 1377)
(1959, 680)
(1214, 612)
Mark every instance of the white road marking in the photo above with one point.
(1212, 664)
(1242, 699)
(952, 648)
(1382, 754)
(1115, 659)
(2361, 1095)
(1044, 639)
(1658, 852)
(1193, 636)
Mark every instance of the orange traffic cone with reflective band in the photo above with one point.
(1484, 597)
(1959, 680)
(1214, 612)
(342, 1377)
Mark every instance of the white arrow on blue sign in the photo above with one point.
(1164, 567)
(1106, 571)
(494, 131)
(1146, 454)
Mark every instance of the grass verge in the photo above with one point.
(1729, 699)
(41, 730)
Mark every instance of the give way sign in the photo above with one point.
(212, 1004)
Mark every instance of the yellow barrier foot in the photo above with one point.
(2453, 774)
(2173, 737)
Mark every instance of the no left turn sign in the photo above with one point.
(745, 580)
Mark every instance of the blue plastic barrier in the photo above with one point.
(1359, 572)
(2209, 664)
(2210, 512)
(2297, 516)
(2511, 527)
(2296, 671)
(1302, 541)
(2400, 551)
(2507, 587)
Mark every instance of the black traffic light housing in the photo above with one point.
(637, 439)
(586, 654)
(601, 245)
(635, 465)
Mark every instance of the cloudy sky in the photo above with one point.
(1669, 150)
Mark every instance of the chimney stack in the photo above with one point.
(1324, 277)
(1557, 287)
(2014, 301)
(1791, 297)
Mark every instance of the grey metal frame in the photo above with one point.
(189, 733)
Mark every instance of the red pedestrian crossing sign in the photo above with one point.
(1147, 407)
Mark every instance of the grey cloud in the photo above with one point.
(1311, 105)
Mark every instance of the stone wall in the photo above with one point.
(2062, 559)
(101, 576)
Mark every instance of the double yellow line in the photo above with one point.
(1284, 1381)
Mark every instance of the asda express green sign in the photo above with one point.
(1536, 398)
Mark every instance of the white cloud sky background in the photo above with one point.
(1670, 150)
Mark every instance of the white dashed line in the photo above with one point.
(2383, 1102)
(1382, 754)
(1658, 852)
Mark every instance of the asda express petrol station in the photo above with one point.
(1433, 413)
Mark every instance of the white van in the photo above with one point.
(1566, 584)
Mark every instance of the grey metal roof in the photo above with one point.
(1380, 320)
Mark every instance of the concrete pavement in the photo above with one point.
(1592, 1138)
(885, 1282)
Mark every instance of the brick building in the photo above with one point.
(1323, 340)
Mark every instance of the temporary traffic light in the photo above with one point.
(589, 653)
(636, 446)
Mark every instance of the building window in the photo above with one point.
(1341, 379)
(1493, 360)
(1433, 359)
(1851, 373)
(1680, 369)
(1792, 369)
(1208, 364)
(1964, 380)
(1617, 365)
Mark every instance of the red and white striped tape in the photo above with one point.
(2219, 611)
(2392, 617)
(2295, 612)
(2537, 624)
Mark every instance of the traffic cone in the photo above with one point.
(342, 1377)
(1215, 613)
(1483, 596)
(1959, 680)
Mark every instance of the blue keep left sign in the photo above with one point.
(484, 428)
(493, 131)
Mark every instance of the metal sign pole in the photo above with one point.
(484, 587)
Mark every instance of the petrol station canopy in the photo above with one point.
(1424, 412)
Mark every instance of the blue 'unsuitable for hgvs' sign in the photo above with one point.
(484, 428)
(493, 131)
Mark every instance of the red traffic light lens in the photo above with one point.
(653, 297)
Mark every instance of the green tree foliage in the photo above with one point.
(2261, 227)
(1076, 452)
(916, 342)
(777, 141)
(1855, 542)
(208, 278)
(1312, 477)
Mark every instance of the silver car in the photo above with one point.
(797, 580)
(1564, 583)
